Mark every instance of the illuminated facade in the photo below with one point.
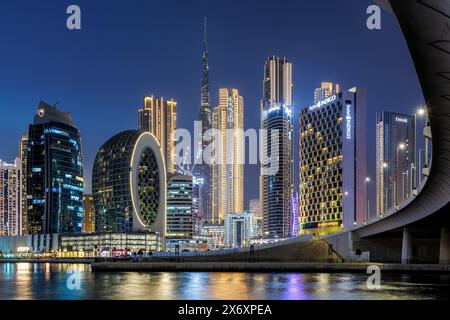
(326, 89)
(215, 235)
(11, 198)
(228, 164)
(332, 163)
(197, 217)
(179, 209)
(277, 174)
(159, 117)
(129, 184)
(108, 244)
(395, 153)
(23, 145)
(239, 229)
(255, 209)
(54, 174)
(88, 214)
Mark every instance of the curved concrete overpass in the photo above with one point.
(426, 27)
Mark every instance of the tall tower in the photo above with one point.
(54, 173)
(332, 163)
(228, 168)
(159, 117)
(11, 198)
(395, 152)
(276, 181)
(202, 170)
(23, 146)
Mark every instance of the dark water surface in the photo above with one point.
(76, 281)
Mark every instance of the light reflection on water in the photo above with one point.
(49, 281)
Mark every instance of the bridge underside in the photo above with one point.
(418, 233)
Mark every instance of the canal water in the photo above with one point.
(76, 281)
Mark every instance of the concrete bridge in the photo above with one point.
(418, 231)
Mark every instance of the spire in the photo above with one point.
(205, 93)
(205, 38)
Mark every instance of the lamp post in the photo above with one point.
(384, 167)
(400, 147)
(420, 112)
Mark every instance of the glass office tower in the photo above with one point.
(395, 152)
(179, 209)
(277, 174)
(54, 173)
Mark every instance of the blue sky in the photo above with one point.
(131, 48)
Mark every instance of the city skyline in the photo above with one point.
(123, 107)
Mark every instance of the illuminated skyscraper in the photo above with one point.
(88, 214)
(332, 163)
(228, 164)
(23, 145)
(277, 174)
(11, 198)
(159, 117)
(326, 89)
(202, 170)
(395, 152)
(54, 173)
(179, 209)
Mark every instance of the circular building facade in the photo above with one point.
(129, 184)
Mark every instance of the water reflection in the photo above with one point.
(52, 281)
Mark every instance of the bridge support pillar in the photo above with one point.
(444, 248)
(407, 247)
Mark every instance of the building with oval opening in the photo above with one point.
(129, 184)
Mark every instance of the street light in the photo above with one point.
(402, 147)
(384, 167)
(420, 112)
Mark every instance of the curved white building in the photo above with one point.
(129, 184)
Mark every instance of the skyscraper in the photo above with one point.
(332, 163)
(88, 214)
(202, 170)
(159, 117)
(395, 152)
(228, 164)
(11, 198)
(179, 209)
(129, 184)
(23, 145)
(326, 89)
(277, 174)
(54, 173)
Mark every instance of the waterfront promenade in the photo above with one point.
(266, 267)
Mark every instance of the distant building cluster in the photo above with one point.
(143, 201)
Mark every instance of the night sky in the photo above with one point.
(128, 49)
